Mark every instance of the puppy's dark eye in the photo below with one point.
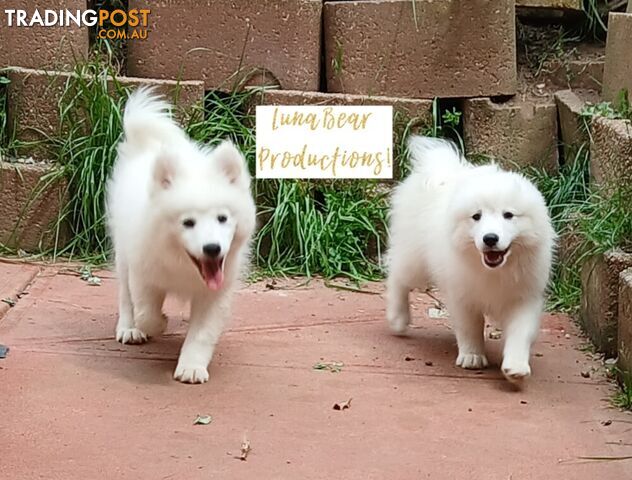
(222, 218)
(188, 223)
(508, 215)
(476, 217)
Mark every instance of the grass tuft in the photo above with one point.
(623, 397)
(85, 150)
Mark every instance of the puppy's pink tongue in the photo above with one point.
(213, 274)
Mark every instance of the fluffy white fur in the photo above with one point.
(440, 216)
(181, 217)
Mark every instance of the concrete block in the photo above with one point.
(611, 153)
(548, 10)
(229, 43)
(625, 321)
(618, 68)
(35, 95)
(555, 4)
(515, 133)
(573, 130)
(30, 207)
(50, 48)
(450, 48)
(600, 298)
(577, 74)
(405, 110)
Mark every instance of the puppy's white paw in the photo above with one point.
(399, 323)
(191, 374)
(515, 371)
(132, 336)
(472, 361)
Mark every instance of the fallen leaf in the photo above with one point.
(495, 334)
(343, 405)
(245, 450)
(606, 458)
(9, 301)
(585, 374)
(349, 288)
(437, 313)
(333, 367)
(203, 420)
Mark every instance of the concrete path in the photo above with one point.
(74, 404)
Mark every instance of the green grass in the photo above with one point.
(619, 109)
(598, 223)
(565, 194)
(323, 228)
(596, 16)
(623, 397)
(85, 150)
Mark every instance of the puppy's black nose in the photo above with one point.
(212, 249)
(490, 239)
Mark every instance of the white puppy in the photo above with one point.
(181, 217)
(483, 236)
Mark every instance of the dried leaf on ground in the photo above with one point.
(342, 405)
(437, 313)
(9, 301)
(245, 450)
(495, 334)
(333, 367)
(203, 420)
(607, 458)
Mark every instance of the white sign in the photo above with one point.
(324, 142)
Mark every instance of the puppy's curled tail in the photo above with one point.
(434, 158)
(147, 119)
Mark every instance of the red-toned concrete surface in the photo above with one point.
(77, 405)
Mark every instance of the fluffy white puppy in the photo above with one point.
(181, 217)
(483, 236)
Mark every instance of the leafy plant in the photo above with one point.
(336, 62)
(620, 109)
(623, 398)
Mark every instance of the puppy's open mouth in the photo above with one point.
(211, 270)
(494, 258)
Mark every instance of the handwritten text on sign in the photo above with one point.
(324, 142)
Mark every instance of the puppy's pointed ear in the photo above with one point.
(232, 163)
(164, 170)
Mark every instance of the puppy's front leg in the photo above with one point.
(397, 305)
(207, 320)
(140, 309)
(469, 326)
(520, 332)
(147, 300)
